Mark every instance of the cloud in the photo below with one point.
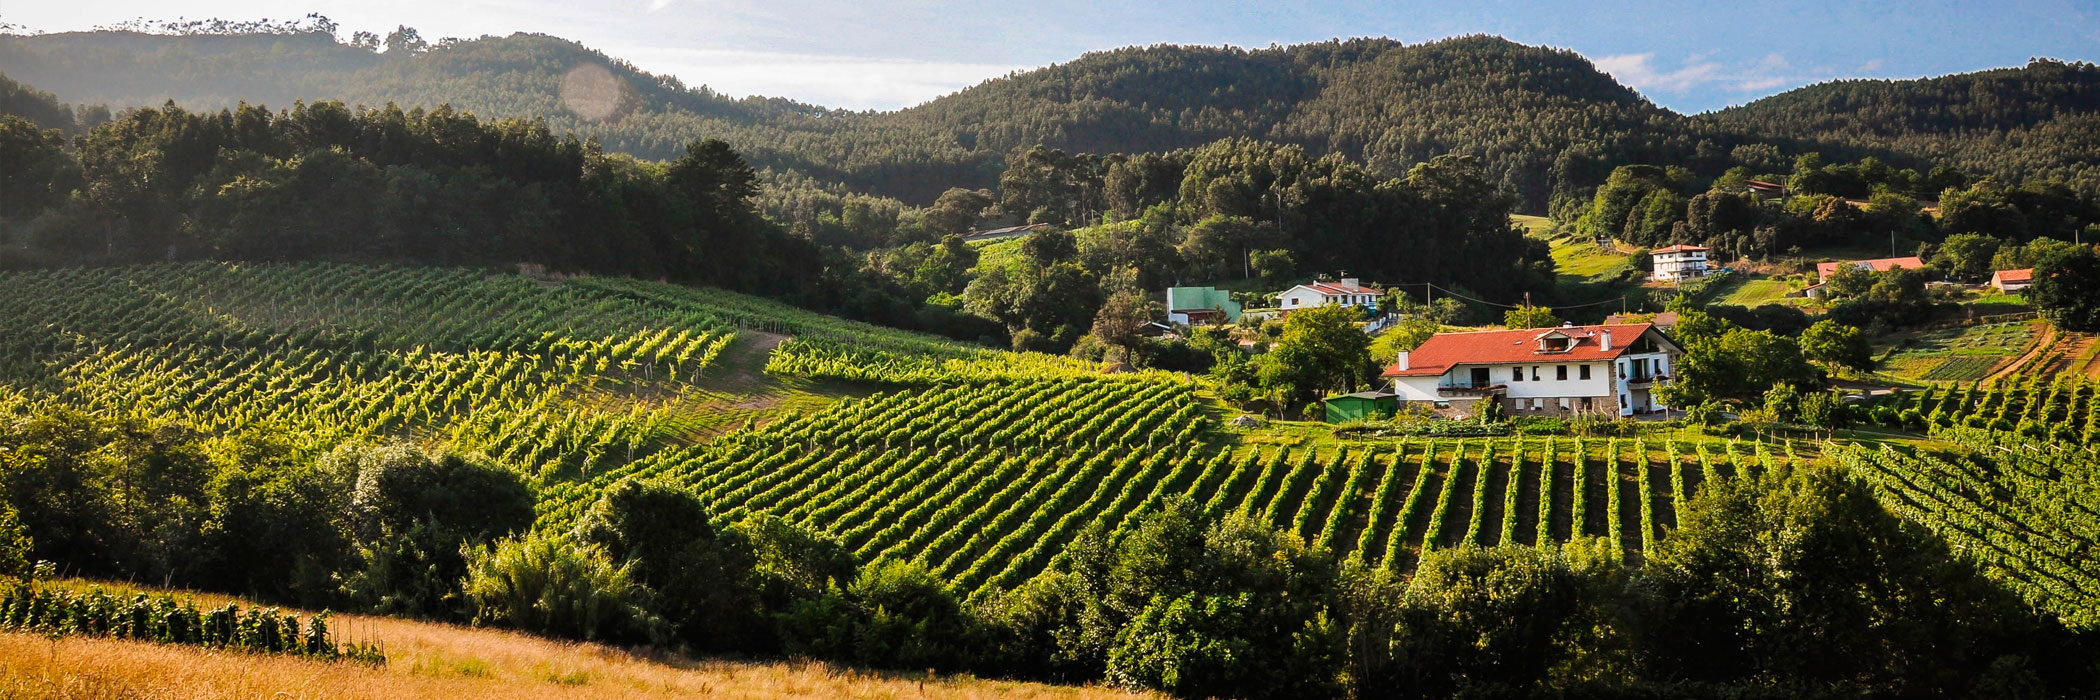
(1701, 72)
(1639, 71)
(848, 82)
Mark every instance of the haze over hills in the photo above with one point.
(1545, 120)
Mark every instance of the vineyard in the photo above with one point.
(1961, 354)
(553, 380)
(2027, 512)
(985, 483)
(2035, 405)
(164, 619)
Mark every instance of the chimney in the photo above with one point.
(1606, 342)
(1349, 281)
(1403, 361)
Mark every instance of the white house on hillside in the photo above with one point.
(1346, 292)
(1677, 262)
(1560, 371)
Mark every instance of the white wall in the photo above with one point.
(1417, 388)
(1305, 299)
(1546, 386)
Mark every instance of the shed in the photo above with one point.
(1362, 405)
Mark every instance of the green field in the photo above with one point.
(1757, 291)
(1958, 354)
(1582, 258)
(1532, 225)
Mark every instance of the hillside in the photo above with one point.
(2040, 120)
(1544, 120)
(981, 464)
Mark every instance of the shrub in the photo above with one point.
(910, 619)
(542, 584)
(700, 574)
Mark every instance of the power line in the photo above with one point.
(1448, 292)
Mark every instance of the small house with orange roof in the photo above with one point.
(2012, 280)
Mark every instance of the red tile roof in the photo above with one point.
(1445, 350)
(1332, 288)
(1679, 249)
(1823, 269)
(2026, 275)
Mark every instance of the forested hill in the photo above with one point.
(2039, 120)
(1544, 121)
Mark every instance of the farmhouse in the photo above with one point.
(2012, 280)
(1677, 262)
(1346, 293)
(1825, 269)
(1612, 369)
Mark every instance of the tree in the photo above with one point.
(956, 211)
(1530, 317)
(541, 583)
(1722, 361)
(2067, 289)
(1119, 320)
(1837, 344)
(1321, 350)
(405, 40)
(1800, 574)
(700, 573)
(1847, 280)
(1966, 256)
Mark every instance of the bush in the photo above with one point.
(910, 619)
(701, 575)
(542, 584)
(414, 514)
(1539, 425)
(14, 544)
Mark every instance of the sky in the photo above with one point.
(889, 54)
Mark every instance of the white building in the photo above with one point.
(1677, 262)
(2012, 280)
(1560, 371)
(1346, 292)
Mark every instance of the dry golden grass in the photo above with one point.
(428, 660)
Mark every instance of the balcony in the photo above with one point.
(1639, 380)
(1451, 390)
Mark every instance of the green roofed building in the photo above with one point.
(1362, 405)
(1192, 305)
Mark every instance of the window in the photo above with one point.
(1534, 373)
(1516, 374)
(1622, 401)
(1585, 373)
(1588, 403)
(1561, 373)
(1564, 403)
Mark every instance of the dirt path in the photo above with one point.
(2048, 339)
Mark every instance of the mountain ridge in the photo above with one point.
(1547, 120)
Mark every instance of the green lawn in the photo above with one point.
(1532, 225)
(1583, 258)
(1757, 291)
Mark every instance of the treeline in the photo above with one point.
(323, 181)
(1784, 583)
(2033, 122)
(1543, 122)
(1867, 203)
